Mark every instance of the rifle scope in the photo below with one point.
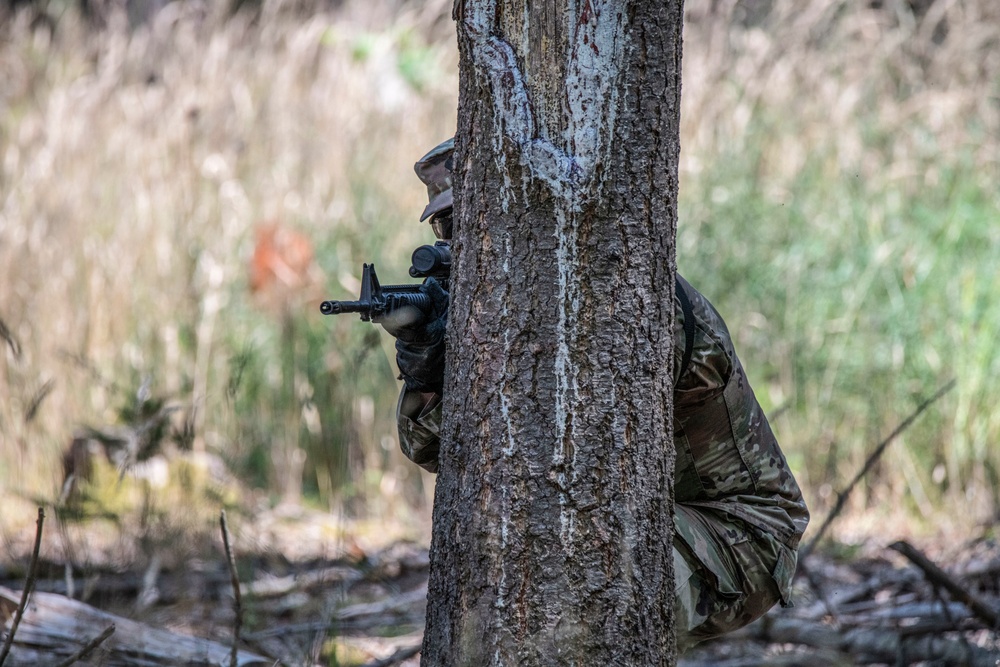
(431, 260)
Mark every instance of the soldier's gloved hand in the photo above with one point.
(420, 340)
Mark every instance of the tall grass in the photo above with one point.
(136, 166)
(839, 205)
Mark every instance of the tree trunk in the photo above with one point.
(553, 529)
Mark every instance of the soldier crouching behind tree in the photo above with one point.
(739, 513)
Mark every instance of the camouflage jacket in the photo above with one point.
(727, 457)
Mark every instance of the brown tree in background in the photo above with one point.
(553, 510)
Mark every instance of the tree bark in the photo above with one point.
(552, 539)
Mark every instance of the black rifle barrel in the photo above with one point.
(390, 300)
(338, 307)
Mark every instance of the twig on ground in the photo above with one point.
(399, 656)
(948, 616)
(366, 610)
(821, 595)
(941, 578)
(88, 647)
(28, 584)
(881, 644)
(237, 600)
(869, 463)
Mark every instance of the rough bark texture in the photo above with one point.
(552, 524)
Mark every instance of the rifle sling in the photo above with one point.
(688, 326)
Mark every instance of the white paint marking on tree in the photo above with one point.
(501, 597)
(591, 98)
(567, 171)
(547, 109)
(500, 601)
(592, 70)
(512, 111)
(569, 307)
(508, 450)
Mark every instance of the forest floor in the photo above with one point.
(315, 591)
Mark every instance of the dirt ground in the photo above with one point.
(314, 592)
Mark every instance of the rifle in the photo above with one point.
(377, 300)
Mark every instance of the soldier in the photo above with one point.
(739, 513)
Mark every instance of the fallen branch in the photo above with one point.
(848, 599)
(980, 569)
(399, 656)
(881, 644)
(211, 584)
(936, 575)
(814, 659)
(29, 582)
(395, 605)
(53, 627)
(894, 611)
(88, 647)
(869, 463)
(271, 586)
(817, 588)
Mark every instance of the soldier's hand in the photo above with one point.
(420, 340)
(413, 325)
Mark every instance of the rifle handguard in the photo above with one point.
(377, 300)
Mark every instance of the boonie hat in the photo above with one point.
(434, 170)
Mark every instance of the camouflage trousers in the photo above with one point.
(727, 573)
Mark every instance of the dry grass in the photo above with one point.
(839, 174)
(135, 168)
(880, 89)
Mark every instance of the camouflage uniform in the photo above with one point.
(739, 513)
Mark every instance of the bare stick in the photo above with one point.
(235, 580)
(88, 647)
(399, 656)
(946, 612)
(28, 585)
(937, 576)
(817, 588)
(13, 343)
(869, 463)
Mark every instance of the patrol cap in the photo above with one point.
(434, 170)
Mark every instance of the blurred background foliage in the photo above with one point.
(182, 183)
